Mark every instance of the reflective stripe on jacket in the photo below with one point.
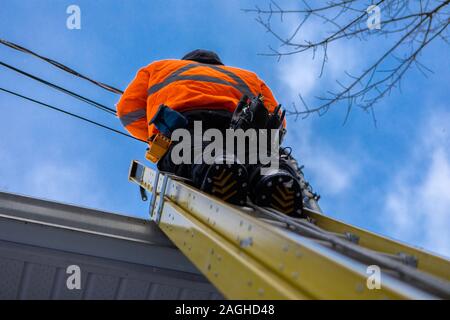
(185, 85)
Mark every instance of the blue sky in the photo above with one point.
(393, 179)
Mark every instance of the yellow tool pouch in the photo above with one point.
(166, 121)
(158, 147)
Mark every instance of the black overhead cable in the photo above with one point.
(60, 66)
(54, 86)
(70, 114)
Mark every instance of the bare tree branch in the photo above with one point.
(408, 27)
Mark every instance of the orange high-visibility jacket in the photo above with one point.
(185, 85)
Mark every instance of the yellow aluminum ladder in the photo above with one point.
(257, 253)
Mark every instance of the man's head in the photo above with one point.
(203, 56)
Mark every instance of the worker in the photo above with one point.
(174, 94)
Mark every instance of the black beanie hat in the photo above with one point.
(203, 56)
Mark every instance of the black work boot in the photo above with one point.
(228, 182)
(278, 189)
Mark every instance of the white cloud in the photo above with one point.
(51, 178)
(330, 170)
(300, 73)
(417, 209)
(71, 183)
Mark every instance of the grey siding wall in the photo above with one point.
(119, 257)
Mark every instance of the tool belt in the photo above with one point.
(249, 114)
(166, 120)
